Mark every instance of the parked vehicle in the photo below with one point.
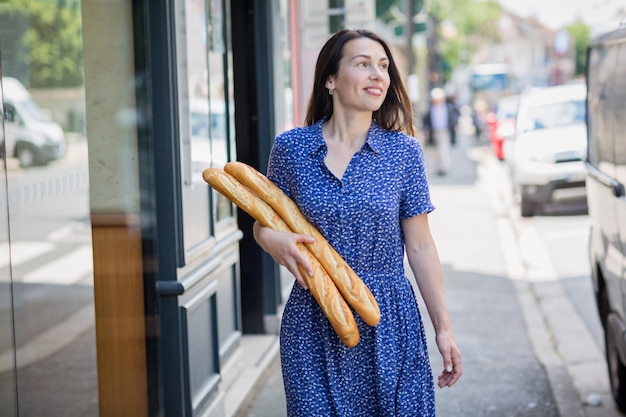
(606, 196)
(29, 134)
(546, 156)
(502, 123)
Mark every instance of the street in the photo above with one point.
(520, 300)
(50, 299)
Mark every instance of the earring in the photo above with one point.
(331, 92)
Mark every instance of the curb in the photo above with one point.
(562, 343)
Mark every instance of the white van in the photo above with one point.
(606, 196)
(29, 134)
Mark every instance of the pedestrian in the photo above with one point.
(454, 113)
(358, 175)
(440, 125)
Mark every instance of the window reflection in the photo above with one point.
(284, 100)
(8, 383)
(47, 282)
(219, 93)
(31, 136)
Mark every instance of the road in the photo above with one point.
(548, 260)
(47, 309)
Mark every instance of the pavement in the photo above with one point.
(526, 350)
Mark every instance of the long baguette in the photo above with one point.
(353, 289)
(320, 284)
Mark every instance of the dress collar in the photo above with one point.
(373, 141)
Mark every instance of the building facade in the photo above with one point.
(128, 285)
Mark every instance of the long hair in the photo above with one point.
(395, 113)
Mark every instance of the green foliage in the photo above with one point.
(580, 33)
(49, 46)
(472, 19)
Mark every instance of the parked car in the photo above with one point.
(29, 134)
(547, 152)
(502, 123)
(606, 196)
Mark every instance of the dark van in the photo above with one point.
(606, 196)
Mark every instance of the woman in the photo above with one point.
(361, 181)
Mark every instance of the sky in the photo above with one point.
(558, 13)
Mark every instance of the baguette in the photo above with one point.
(321, 286)
(353, 289)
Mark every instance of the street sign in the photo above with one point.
(417, 28)
(383, 8)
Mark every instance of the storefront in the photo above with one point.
(126, 283)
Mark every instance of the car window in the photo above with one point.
(553, 115)
(31, 111)
(507, 109)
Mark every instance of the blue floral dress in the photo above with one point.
(388, 373)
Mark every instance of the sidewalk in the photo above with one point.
(491, 313)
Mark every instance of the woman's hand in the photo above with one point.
(283, 247)
(452, 368)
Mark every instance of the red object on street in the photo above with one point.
(502, 123)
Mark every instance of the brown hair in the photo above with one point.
(395, 113)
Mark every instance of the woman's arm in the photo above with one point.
(424, 262)
(282, 247)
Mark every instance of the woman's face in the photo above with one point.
(362, 80)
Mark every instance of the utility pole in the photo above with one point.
(408, 33)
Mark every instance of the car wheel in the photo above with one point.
(25, 155)
(617, 370)
(527, 208)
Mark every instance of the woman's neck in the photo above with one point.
(350, 132)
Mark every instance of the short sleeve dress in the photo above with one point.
(388, 373)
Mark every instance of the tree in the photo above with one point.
(470, 19)
(580, 34)
(43, 42)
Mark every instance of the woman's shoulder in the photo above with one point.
(296, 133)
(298, 139)
(294, 137)
(398, 141)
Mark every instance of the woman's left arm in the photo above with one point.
(424, 262)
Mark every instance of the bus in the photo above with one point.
(490, 82)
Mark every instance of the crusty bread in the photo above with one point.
(320, 284)
(353, 289)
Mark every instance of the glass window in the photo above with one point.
(617, 103)
(8, 399)
(220, 99)
(600, 150)
(283, 57)
(556, 115)
(48, 285)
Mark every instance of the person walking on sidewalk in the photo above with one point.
(440, 125)
(358, 175)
